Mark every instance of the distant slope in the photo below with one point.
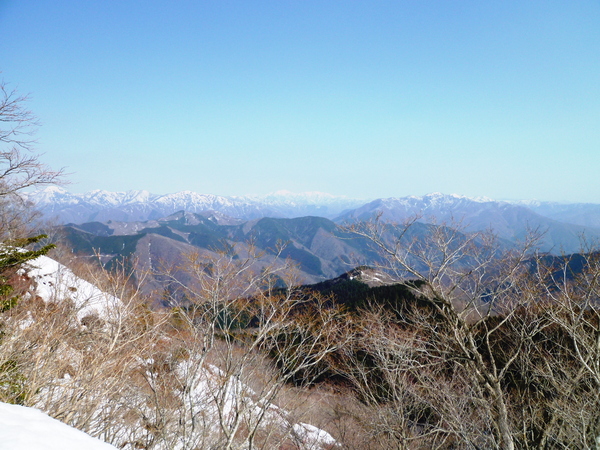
(362, 288)
(584, 214)
(315, 244)
(509, 221)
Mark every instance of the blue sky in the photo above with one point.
(364, 99)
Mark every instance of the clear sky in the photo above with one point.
(368, 99)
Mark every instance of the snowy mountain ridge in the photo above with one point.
(58, 195)
(434, 200)
(99, 205)
(508, 219)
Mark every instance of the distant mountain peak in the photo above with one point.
(54, 189)
(439, 196)
(304, 197)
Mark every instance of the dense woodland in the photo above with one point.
(451, 339)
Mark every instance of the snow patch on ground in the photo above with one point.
(55, 282)
(310, 434)
(227, 397)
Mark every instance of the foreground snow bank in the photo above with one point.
(24, 428)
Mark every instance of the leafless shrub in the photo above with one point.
(506, 356)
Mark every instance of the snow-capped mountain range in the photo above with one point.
(563, 224)
(102, 206)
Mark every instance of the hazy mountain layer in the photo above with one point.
(509, 221)
(585, 214)
(315, 244)
(562, 226)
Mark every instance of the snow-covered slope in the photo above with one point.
(223, 396)
(102, 206)
(24, 428)
(55, 282)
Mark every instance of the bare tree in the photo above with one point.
(474, 290)
(500, 349)
(20, 166)
(562, 368)
(237, 314)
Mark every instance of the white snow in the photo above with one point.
(24, 428)
(102, 205)
(225, 398)
(55, 282)
(310, 434)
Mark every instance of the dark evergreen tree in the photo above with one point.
(12, 257)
